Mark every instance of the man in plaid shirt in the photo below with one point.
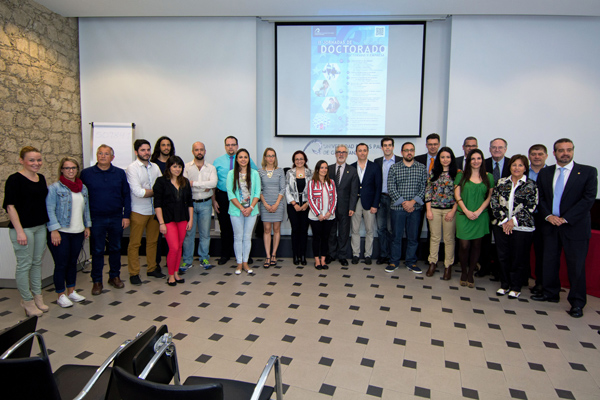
(406, 188)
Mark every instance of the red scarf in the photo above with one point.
(74, 186)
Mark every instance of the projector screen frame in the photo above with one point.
(422, 23)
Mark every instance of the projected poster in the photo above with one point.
(348, 79)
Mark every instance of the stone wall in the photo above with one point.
(39, 87)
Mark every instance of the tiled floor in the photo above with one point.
(347, 333)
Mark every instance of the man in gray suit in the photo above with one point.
(346, 185)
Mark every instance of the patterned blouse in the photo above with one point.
(518, 206)
(440, 192)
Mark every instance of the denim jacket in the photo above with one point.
(59, 203)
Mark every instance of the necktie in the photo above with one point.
(496, 172)
(230, 163)
(431, 165)
(338, 174)
(558, 191)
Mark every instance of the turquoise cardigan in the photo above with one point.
(255, 188)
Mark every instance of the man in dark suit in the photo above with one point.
(346, 185)
(469, 144)
(384, 225)
(369, 193)
(567, 193)
(433, 145)
(498, 166)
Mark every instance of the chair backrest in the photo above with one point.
(28, 378)
(163, 371)
(125, 359)
(133, 388)
(11, 335)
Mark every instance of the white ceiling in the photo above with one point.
(318, 8)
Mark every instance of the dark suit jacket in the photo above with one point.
(459, 163)
(370, 188)
(422, 158)
(489, 167)
(577, 199)
(379, 161)
(347, 189)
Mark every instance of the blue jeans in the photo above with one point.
(65, 257)
(29, 260)
(101, 229)
(402, 220)
(385, 228)
(242, 236)
(202, 217)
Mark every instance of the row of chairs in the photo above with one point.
(140, 368)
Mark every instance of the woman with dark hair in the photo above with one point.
(243, 191)
(322, 201)
(69, 213)
(296, 194)
(440, 210)
(25, 203)
(174, 211)
(513, 202)
(472, 192)
(272, 181)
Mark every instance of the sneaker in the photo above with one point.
(414, 269)
(135, 280)
(157, 273)
(390, 268)
(184, 267)
(64, 301)
(513, 294)
(501, 292)
(76, 297)
(206, 264)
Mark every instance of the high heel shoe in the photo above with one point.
(30, 308)
(463, 278)
(38, 299)
(273, 260)
(267, 263)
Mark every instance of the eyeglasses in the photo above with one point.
(69, 168)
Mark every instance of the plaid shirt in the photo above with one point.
(407, 183)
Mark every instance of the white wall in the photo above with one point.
(188, 78)
(526, 79)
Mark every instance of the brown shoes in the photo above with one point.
(116, 282)
(97, 288)
(447, 273)
(431, 270)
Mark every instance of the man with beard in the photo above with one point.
(141, 175)
(203, 179)
(406, 187)
(163, 149)
(567, 193)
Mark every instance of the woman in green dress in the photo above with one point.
(472, 191)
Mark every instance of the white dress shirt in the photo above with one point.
(140, 178)
(204, 178)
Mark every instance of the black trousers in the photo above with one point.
(538, 248)
(299, 222)
(339, 238)
(513, 257)
(320, 238)
(224, 223)
(555, 240)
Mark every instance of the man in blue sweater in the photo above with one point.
(110, 207)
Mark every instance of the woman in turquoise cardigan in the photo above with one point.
(243, 190)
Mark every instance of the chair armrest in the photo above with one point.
(24, 340)
(273, 362)
(163, 345)
(100, 370)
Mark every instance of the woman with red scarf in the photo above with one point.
(69, 214)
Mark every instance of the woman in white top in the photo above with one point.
(69, 213)
(322, 201)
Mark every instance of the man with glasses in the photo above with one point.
(346, 185)
(220, 201)
(406, 187)
(469, 144)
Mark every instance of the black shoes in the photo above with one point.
(343, 261)
(135, 280)
(223, 260)
(368, 260)
(543, 297)
(157, 273)
(303, 260)
(382, 260)
(296, 260)
(354, 260)
(576, 312)
(537, 289)
(328, 260)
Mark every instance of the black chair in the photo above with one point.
(11, 335)
(132, 387)
(32, 377)
(165, 367)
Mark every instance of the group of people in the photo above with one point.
(519, 200)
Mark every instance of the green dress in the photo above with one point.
(473, 195)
